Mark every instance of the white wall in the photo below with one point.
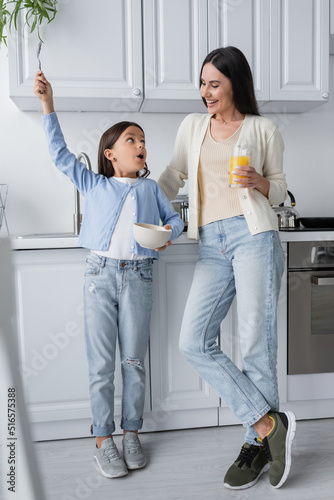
(41, 200)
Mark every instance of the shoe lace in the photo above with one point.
(132, 446)
(111, 453)
(247, 455)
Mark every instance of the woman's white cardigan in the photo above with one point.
(262, 137)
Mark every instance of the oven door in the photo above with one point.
(310, 322)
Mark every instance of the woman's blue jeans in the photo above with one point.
(233, 262)
(118, 303)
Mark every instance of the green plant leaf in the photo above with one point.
(33, 26)
(3, 20)
(15, 13)
(36, 11)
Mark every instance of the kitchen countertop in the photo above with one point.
(36, 242)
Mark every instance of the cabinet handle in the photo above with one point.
(322, 281)
(136, 91)
(325, 95)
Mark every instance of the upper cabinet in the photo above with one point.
(299, 58)
(175, 45)
(286, 43)
(147, 54)
(92, 56)
(244, 25)
(331, 27)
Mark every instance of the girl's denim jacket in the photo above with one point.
(105, 197)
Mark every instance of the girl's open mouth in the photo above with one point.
(141, 157)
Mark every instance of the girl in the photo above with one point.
(118, 276)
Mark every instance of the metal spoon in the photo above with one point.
(38, 51)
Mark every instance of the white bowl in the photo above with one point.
(151, 236)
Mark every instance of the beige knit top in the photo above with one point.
(216, 199)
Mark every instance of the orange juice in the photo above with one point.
(237, 161)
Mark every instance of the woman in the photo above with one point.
(240, 254)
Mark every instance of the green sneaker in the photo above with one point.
(247, 468)
(277, 447)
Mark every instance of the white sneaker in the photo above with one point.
(108, 459)
(132, 451)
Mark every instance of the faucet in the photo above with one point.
(77, 217)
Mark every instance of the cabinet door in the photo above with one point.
(244, 25)
(175, 45)
(299, 56)
(175, 385)
(331, 27)
(51, 343)
(91, 55)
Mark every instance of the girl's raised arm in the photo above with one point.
(43, 90)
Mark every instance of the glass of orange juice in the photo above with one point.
(240, 158)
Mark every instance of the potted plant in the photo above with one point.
(36, 12)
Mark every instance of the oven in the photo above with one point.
(311, 307)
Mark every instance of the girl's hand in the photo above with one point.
(251, 179)
(168, 244)
(43, 90)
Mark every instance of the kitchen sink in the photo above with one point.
(36, 236)
(317, 222)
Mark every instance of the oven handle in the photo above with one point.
(322, 281)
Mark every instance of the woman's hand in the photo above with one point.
(250, 178)
(168, 244)
(43, 90)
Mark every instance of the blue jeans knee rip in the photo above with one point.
(131, 361)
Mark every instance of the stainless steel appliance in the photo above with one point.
(181, 205)
(288, 216)
(311, 307)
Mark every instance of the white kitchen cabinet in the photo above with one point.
(92, 56)
(299, 53)
(176, 387)
(51, 343)
(147, 55)
(286, 44)
(175, 45)
(331, 27)
(244, 25)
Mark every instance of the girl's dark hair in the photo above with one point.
(232, 63)
(107, 141)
